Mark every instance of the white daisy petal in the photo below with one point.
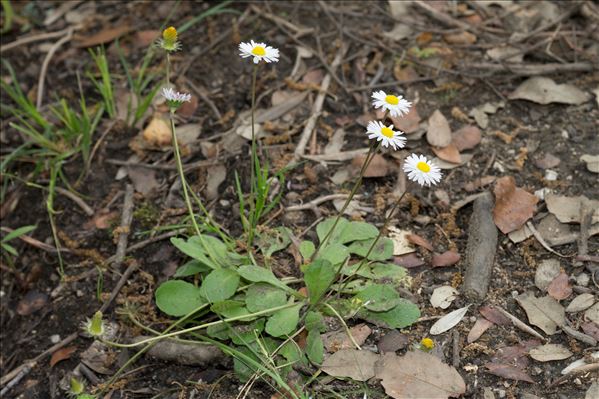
(395, 104)
(421, 170)
(174, 99)
(385, 134)
(258, 52)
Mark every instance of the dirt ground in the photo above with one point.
(437, 56)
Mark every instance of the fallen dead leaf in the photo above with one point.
(101, 220)
(592, 313)
(408, 261)
(104, 36)
(491, 313)
(591, 328)
(545, 312)
(401, 243)
(546, 272)
(352, 363)
(480, 326)
(409, 123)
(466, 138)
(547, 161)
(550, 352)
(31, 303)
(507, 371)
(592, 162)
(448, 321)
(449, 165)
(422, 242)
(314, 76)
(62, 354)
(215, 176)
(567, 209)
(418, 375)
(479, 182)
(447, 258)
(378, 167)
(188, 108)
(337, 340)
(143, 179)
(506, 53)
(560, 287)
(463, 37)
(392, 341)
(513, 205)
(144, 38)
(404, 73)
(581, 302)
(448, 153)
(515, 355)
(443, 296)
(543, 90)
(158, 132)
(438, 133)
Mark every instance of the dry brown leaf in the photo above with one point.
(515, 355)
(422, 242)
(460, 38)
(478, 183)
(314, 76)
(378, 167)
(591, 328)
(547, 161)
(418, 375)
(478, 329)
(62, 354)
(216, 175)
(101, 220)
(406, 73)
(408, 261)
(466, 137)
(188, 108)
(439, 132)
(447, 258)
(560, 287)
(409, 123)
(104, 36)
(158, 132)
(144, 38)
(545, 312)
(507, 371)
(492, 314)
(550, 352)
(143, 179)
(424, 38)
(567, 209)
(449, 153)
(337, 340)
(31, 302)
(392, 341)
(513, 205)
(355, 364)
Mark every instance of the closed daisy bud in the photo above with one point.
(427, 344)
(259, 52)
(77, 387)
(169, 40)
(396, 105)
(174, 99)
(421, 170)
(95, 326)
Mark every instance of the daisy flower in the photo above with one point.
(385, 134)
(95, 325)
(169, 40)
(396, 105)
(260, 51)
(421, 170)
(174, 99)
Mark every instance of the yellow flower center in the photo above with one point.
(170, 34)
(423, 166)
(427, 343)
(387, 132)
(391, 99)
(259, 50)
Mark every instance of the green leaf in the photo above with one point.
(334, 253)
(379, 297)
(274, 240)
(402, 315)
(307, 249)
(244, 334)
(390, 273)
(9, 248)
(191, 268)
(230, 308)
(178, 298)
(383, 249)
(283, 322)
(220, 284)
(193, 250)
(257, 274)
(262, 296)
(218, 331)
(18, 232)
(244, 370)
(323, 228)
(356, 231)
(357, 269)
(354, 286)
(318, 276)
(315, 321)
(291, 352)
(213, 247)
(314, 347)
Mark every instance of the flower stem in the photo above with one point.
(367, 160)
(254, 164)
(182, 175)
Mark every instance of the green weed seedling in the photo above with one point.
(8, 251)
(104, 85)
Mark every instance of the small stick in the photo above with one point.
(337, 156)
(587, 368)
(317, 107)
(586, 218)
(587, 339)
(126, 218)
(456, 349)
(480, 251)
(520, 324)
(539, 238)
(36, 243)
(315, 202)
(117, 288)
(86, 208)
(42, 78)
(37, 38)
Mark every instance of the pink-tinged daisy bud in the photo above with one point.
(259, 52)
(169, 40)
(174, 99)
(396, 105)
(421, 170)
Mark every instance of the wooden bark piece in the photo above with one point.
(480, 252)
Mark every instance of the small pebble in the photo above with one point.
(583, 279)
(565, 134)
(55, 338)
(550, 175)
(79, 293)
(225, 203)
